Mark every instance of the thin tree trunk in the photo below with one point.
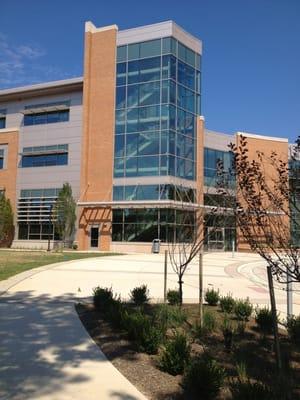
(180, 282)
(274, 315)
(201, 287)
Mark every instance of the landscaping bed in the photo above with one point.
(247, 364)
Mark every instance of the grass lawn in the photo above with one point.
(14, 262)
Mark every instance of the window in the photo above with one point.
(2, 122)
(45, 156)
(1, 158)
(46, 118)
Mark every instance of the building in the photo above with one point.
(128, 136)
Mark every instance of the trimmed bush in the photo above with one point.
(140, 295)
(212, 297)
(227, 304)
(203, 378)
(175, 355)
(247, 390)
(293, 328)
(143, 332)
(243, 309)
(116, 313)
(169, 316)
(264, 320)
(173, 297)
(102, 298)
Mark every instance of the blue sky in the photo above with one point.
(251, 51)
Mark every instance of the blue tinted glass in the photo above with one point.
(120, 121)
(167, 142)
(198, 61)
(119, 145)
(150, 49)
(168, 117)
(169, 67)
(121, 97)
(121, 74)
(186, 99)
(148, 165)
(181, 51)
(118, 167)
(44, 160)
(2, 123)
(133, 72)
(148, 144)
(190, 57)
(166, 45)
(46, 118)
(121, 53)
(132, 120)
(168, 92)
(1, 163)
(150, 69)
(133, 51)
(132, 145)
(131, 166)
(118, 194)
(186, 75)
(132, 95)
(149, 118)
(149, 93)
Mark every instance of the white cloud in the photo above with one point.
(23, 64)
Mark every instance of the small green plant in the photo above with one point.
(173, 297)
(146, 335)
(227, 330)
(169, 316)
(209, 324)
(175, 355)
(293, 328)
(227, 303)
(243, 309)
(246, 390)
(241, 370)
(212, 297)
(115, 313)
(102, 298)
(241, 327)
(140, 295)
(203, 378)
(264, 320)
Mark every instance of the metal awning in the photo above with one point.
(140, 204)
(44, 109)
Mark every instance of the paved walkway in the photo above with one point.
(45, 353)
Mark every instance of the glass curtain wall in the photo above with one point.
(157, 101)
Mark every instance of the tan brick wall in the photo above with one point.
(8, 176)
(98, 133)
(266, 146)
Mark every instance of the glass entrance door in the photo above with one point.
(215, 238)
(94, 237)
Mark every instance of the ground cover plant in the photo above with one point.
(167, 354)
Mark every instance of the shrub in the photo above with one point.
(102, 298)
(140, 295)
(116, 313)
(203, 378)
(243, 309)
(169, 317)
(264, 320)
(212, 297)
(143, 332)
(247, 390)
(209, 324)
(173, 297)
(241, 327)
(227, 330)
(175, 355)
(293, 328)
(227, 304)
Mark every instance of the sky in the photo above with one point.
(250, 63)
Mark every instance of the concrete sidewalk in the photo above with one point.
(46, 353)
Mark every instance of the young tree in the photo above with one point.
(6, 222)
(189, 240)
(267, 213)
(64, 213)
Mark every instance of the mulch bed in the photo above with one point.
(141, 369)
